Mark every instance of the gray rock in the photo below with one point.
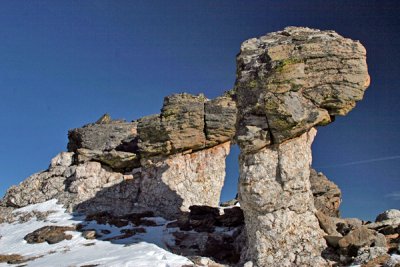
(87, 187)
(392, 262)
(179, 127)
(117, 160)
(187, 123)
(63, 159)
(6, 215)
(295, 79)
(89, 234)
(101, 136)
(220, 120)
(388, 215)
(371, 256)
(362, 237)
(49, 234)
(393, 222)
(275, 195)
(327, 195)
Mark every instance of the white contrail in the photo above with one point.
(394, 195)
(359, 162)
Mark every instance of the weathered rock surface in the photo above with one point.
(337, 226)
(205, 231)
(179, 127)
(388, 215)
(117, 160)
(102, 135)
(41, 186)
(371, 256)
(292, 80)
(49, 234)
(172, 184)
(93, 188)
(187, 123)
(86, 187)
(276, 198)
(327, 195)
(388, 221)
(362, 237)
(220, 119)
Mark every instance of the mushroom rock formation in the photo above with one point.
(287, 83)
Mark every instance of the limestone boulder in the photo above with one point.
(291, 80)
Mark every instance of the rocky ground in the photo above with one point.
(46, 235)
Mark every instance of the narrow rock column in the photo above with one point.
(277, 201)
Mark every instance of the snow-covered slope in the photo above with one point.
(143, 249)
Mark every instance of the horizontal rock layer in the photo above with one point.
(187, 122)
(292, 80)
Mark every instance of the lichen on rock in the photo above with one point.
(295, 79)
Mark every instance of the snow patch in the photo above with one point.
(140, 250)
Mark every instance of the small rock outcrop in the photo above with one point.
(327, 195)
(49, 234)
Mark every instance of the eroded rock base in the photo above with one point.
(275, 195)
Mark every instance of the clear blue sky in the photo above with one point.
(65, 63)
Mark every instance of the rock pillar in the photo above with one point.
(275, 195)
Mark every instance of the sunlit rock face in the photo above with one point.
(275, 195)
(292, 80)
(170, 185)
(187, 123)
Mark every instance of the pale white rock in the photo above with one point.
(388, 214)
(172, 184)
(366, 254)
(275, 195)
(88, 187)
(64, 159)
